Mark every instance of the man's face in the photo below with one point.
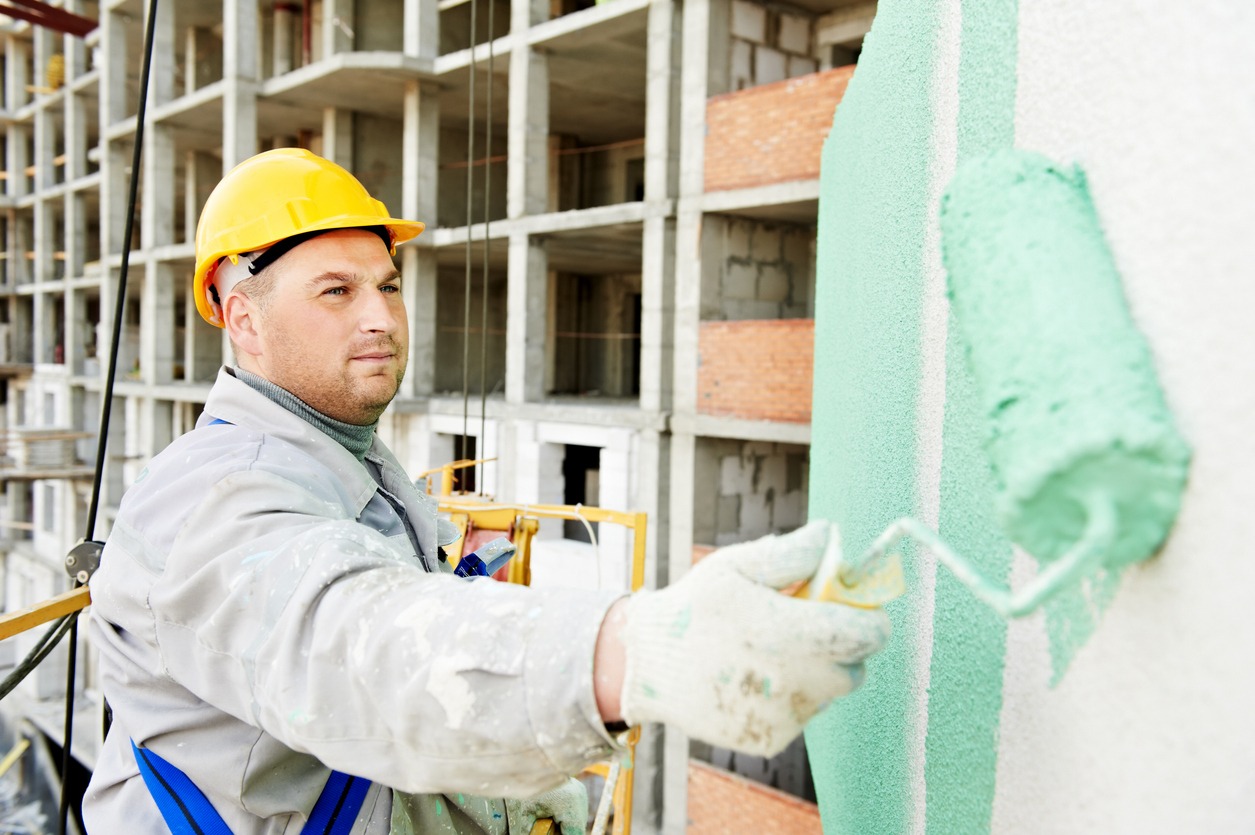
(333, 330)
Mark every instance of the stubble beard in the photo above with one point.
(347, 397)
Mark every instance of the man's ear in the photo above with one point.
(241, 319)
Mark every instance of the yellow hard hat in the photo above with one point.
(275, 195)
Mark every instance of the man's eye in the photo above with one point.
(335, 291)
(389, 288)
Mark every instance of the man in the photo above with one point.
(285, 649)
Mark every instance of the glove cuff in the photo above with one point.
(656, 667)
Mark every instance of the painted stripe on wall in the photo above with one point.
(969, 640)
(873, 222)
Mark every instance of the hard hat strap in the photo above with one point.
(277, 250)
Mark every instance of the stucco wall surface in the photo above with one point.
(1151, 729)
(1126, 709)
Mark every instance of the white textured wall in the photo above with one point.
(1153, 727)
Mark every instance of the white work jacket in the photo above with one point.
(262, 618)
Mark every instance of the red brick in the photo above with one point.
(772, 133)
(756, 369)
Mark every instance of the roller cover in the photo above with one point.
(1072, 403)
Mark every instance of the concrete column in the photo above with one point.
(526, 320)
(422, 28)
(156, 314)
(337, 26)
(661, 184)
(75, 49)
(527, 178)
(157, 218)
(75, 222)
(418, 283)
(201, 171)
(282, 48)
(75, 137)
(161, 79)
(705, 69)
(239, 71)
(419, 173)
(72, 335)
(113, 104)
(44, 241)
(337, 136)
(45, 127)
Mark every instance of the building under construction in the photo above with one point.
(613, 300)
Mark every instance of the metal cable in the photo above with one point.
(481, 452)
(470, 218)
(45, 645)
(107, 401)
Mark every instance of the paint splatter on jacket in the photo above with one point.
(262, 617)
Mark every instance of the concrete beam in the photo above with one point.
(845, 25)
(709, 426)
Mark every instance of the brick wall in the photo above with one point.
(756, 369)
(773, 133)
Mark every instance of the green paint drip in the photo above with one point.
(873, 221)
(1071, 401)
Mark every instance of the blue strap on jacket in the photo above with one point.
(187, 811)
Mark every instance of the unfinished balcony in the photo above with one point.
(764, 145)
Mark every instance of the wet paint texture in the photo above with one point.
(873, 219)
(969, 641)
(1072, 407)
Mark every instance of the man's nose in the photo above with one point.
(379, 313)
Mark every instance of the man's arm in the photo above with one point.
(608, 663)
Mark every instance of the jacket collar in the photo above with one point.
(238, 403)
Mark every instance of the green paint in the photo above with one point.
(682, 622)
(1072, 405)
(969, 640)
(873, 219)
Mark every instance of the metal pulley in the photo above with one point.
(83, 560)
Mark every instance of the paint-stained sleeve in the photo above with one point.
(318, 631)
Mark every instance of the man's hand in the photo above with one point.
(728, 659)
(567, 805)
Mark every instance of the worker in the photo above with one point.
(285, 647)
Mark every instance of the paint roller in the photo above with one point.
(1088, 465)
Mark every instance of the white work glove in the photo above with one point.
(729, 660)
(567, 805)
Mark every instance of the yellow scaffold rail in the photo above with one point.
(13, 623)
(524, 520)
